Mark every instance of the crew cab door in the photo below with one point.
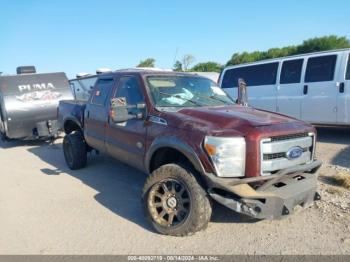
(97, 114)
(343, 88)
(126, 141)
(319, 103)
(290, 88)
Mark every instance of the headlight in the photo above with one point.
(227, 155)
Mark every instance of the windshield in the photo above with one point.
(186, 91)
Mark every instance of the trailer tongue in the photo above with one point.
(29, 101)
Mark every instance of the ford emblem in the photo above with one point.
(294, 152)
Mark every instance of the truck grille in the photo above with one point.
(286, 137)
(274, 151)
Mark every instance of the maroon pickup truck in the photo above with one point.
(196, 144)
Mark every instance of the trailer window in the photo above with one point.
(320, 68)
(291, 71)
(255, 75)
(347, 76)
(102, 91)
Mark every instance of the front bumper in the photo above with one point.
(278, 195)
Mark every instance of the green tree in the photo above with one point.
(186, 61)
(308, 46)
(323, 43)
(177, 66)
(207, 67)
(149, 62)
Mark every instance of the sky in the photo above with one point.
(83, 35)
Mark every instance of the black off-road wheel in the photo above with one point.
(75, 150)
(174, 202)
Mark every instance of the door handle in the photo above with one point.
(341, 87)
(306, 87)
(88, 114)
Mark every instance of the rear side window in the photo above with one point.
(320, 68)
(256, 75)
(291, 71)
(347, 76)
(102, 91)
(87, 83)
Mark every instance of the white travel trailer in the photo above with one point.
(313, 87)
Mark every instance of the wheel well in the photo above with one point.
(70, 126)
(167, 155)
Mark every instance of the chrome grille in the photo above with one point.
(274, 151)
(286, 137)
(279, 155)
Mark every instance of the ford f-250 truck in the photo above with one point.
(196, 144)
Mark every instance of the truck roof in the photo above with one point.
(149, 72)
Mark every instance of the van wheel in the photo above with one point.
(74, 149)
(174, 202)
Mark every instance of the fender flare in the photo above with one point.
(74, 120)
(177, 144)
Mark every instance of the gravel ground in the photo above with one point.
(47, 209)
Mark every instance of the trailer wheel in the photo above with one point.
(75, 150)
(174, 202)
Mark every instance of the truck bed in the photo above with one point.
(71, 110)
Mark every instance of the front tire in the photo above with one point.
(75, 150)
(174, 202)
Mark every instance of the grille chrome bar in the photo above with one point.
(285, 145)
(287, 137)
(281, 163)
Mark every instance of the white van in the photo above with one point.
(313, 87)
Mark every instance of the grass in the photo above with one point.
(334, 191)
(342, 179)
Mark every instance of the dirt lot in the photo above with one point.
(47, 209)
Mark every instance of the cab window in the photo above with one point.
(102, 91)
(130, 89)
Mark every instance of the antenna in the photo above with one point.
(177, 49)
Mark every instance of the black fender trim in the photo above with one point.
(174, 143)
(74, 120)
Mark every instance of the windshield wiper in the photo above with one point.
(178, 96)
(219, 99)
(214, 97)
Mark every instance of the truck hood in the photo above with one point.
(228, 117)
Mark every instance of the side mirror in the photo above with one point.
(242, 97)
(120, 110)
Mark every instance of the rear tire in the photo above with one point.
(174, 202)
(75, 150)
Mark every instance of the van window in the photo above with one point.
(347, 76)
(256, 75)
(291, 71)
(102, 90)
(320, 68)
